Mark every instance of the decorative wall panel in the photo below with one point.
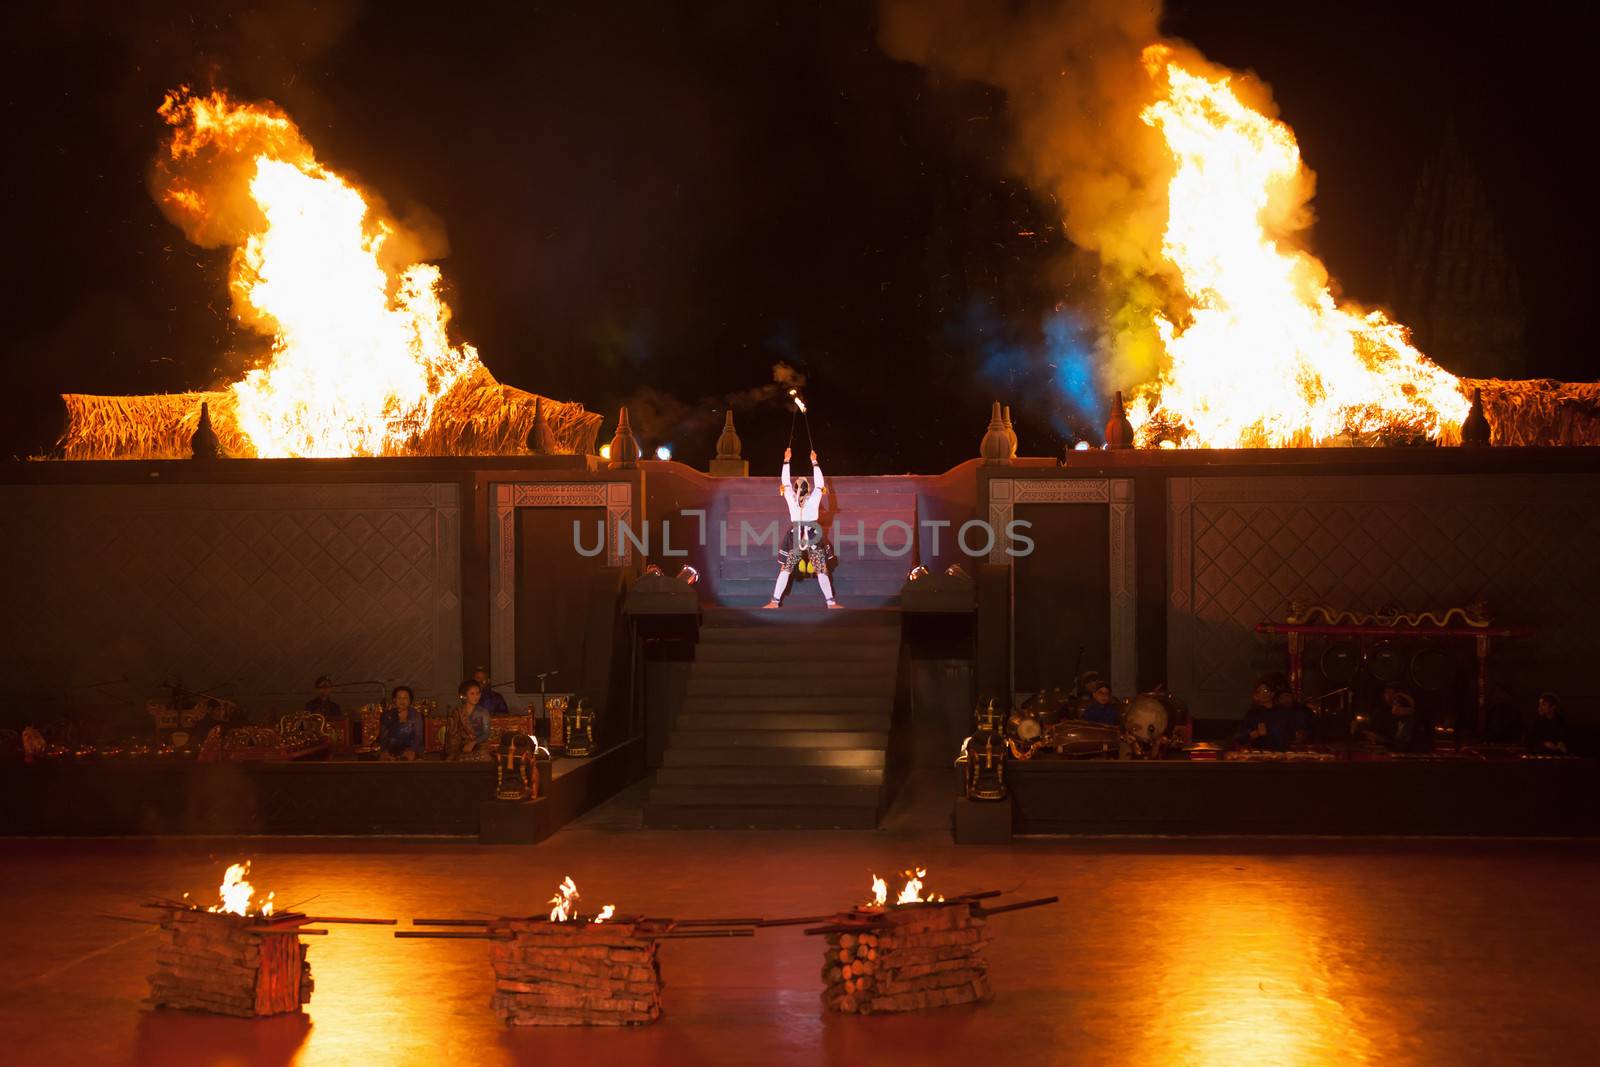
(1241, 548)
(250, 590)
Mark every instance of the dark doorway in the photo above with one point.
(1062, 595)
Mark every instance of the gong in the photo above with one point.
(1340, 662)
(1432, 669)
(1386, 662)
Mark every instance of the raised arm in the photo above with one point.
(784, 477)
(816, 474)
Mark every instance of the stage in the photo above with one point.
(337, 797)
(1402, 796)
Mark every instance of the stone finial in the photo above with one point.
(1011, 431)
(728, 444)
(729, 462)
(624, 446)
(1119, 431)
(1475, 427)
(536, 432)
(996, 448)
(205, 443)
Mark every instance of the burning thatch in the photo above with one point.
(478, 417)
(1540, 411)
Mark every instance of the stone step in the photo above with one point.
(732, 670)
(763, 652)
(773, 757)
(752, 740)
(769, 776)
(820, 704)
(789, 681)
(822, 796)
(767, 720)
(797, 631)
(749, 817)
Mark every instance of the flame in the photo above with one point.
(800, 404)
(566, 904)
(910, 893)
(1265, 356)
(565, 901)
(360, 351)
(236, 893)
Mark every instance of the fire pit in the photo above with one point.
(919, 952)
(568, 969)
(234, 958)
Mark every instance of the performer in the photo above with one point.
(467, 728)
(1265, 725)
(805, 540)
(323, 702)
(1547, 733)
(491, 701)
(400, 728)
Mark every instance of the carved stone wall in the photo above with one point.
(255, 589)
(1240, 548)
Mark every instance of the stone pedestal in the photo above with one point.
(513, 822)
(983, 822)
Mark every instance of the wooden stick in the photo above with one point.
(845, 928)
(357, 922)
(456, 935)
(291, 931)
(127, 919)
(451, 922)
(711, 922)
(737, 931)
(1003, 908)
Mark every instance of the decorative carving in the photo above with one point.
(205, 443)
(1119, 431)
(624, 446)
(537, 431)
(728, 444)
(1474, 615)
(1475, 427)
(1011, 430)
(997, 448)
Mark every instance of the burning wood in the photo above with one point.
(1540, 411)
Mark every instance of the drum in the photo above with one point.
(1081, 739)
(1146, 717)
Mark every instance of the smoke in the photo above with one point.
(1075, 87)
(692, 426)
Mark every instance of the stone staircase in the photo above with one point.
(786, 722)
(865, 574)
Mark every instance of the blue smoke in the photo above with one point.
(1044, 369)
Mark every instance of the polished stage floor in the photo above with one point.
(1222, 952)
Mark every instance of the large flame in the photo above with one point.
(360, 351)
(236, 893)
(565, 904)
(1264, 355)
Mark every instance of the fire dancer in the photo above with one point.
(804, 543)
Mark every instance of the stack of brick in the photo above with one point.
(229, 965)
(906, 958)
(574, 973)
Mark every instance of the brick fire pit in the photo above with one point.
(905, 958)
(575, 973)
(229, 965)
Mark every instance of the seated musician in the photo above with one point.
(491, 701)
(1103, 706)
(1298, 716)
(1407, 729)
(400, 729)
(1265, 725)
(323, 703)
(1547, 733)
(466, 731)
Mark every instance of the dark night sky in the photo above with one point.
(676, 196)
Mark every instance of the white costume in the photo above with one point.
(805, 539)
